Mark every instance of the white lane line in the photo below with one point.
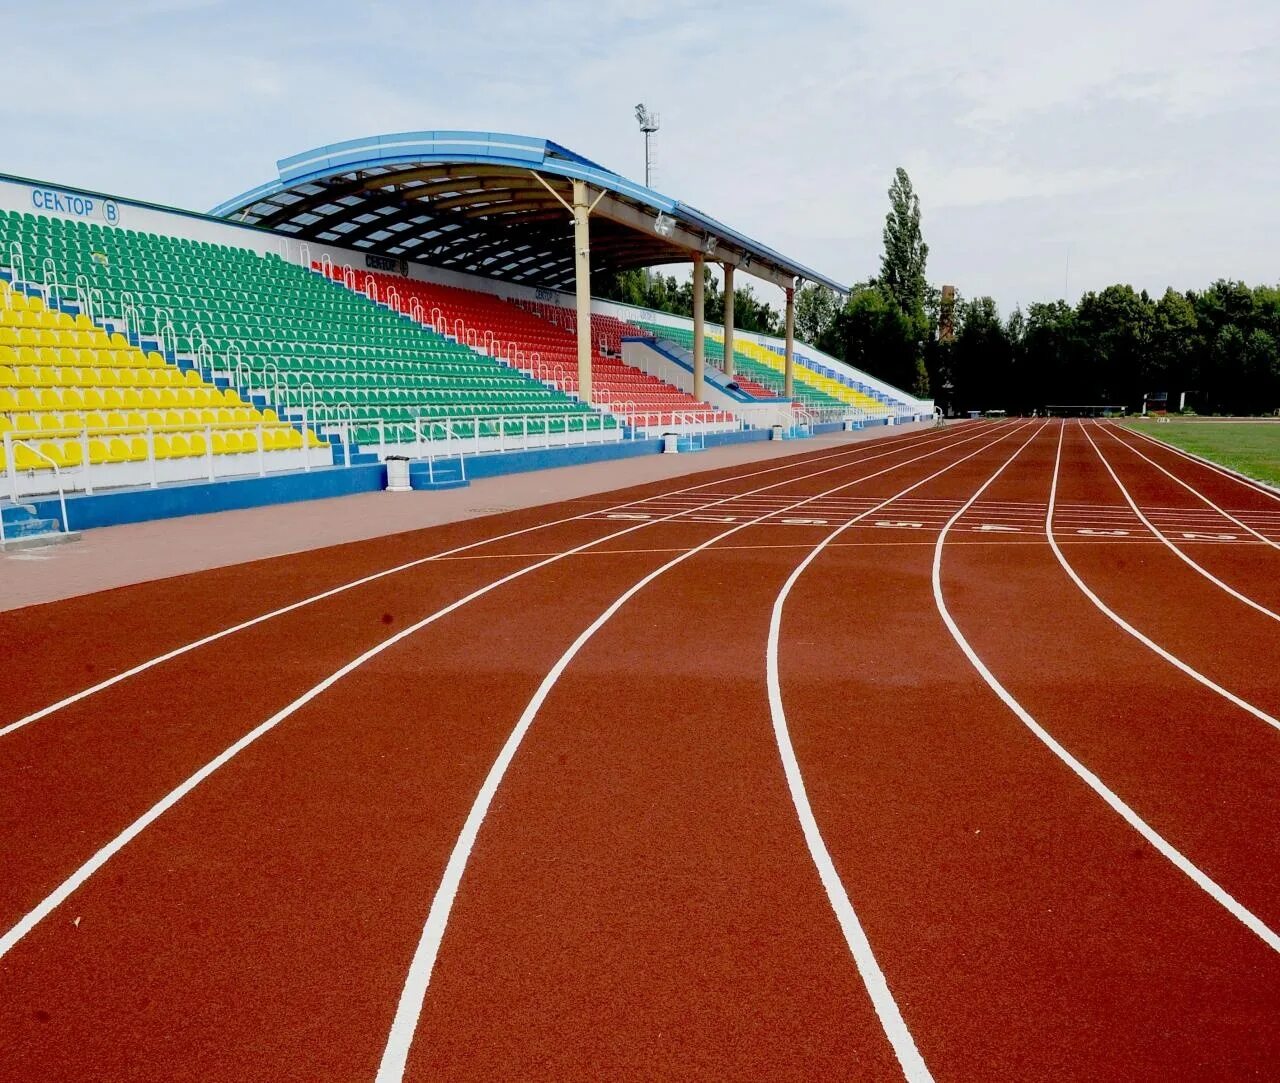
(1145, 640)
(409, 1008)
(1240, 479)
(204, 641)
(1110, 431)
(1246, 917)
(100, 858)
(886, 1008)
(1188, 561)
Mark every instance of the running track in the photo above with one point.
(950, 755)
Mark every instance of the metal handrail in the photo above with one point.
(9, 444)
(17, 262)
(49, 280)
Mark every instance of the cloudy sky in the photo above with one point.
(1052, 144)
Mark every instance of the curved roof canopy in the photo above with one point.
(486, 203)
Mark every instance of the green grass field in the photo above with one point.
(1253, 448)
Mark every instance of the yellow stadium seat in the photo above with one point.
(72, 453)
(51, 451)
(8, 378)
(118, 450)
(162, 446)
(99, 452)
(179, 446)
(199, 445)
(24, 458)
(92, 397)
(8, 400)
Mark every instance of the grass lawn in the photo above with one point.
(1253, 448)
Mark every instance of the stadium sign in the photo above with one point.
(387, 263)
(53, 200)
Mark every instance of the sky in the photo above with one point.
(1056, 148)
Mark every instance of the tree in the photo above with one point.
(872, 333)
(816, 309)
(982, 357)
(1176, 346)
(902, 266)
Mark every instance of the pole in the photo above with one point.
(582, 285)
(699, 352)
(728, 321)
(789, 369)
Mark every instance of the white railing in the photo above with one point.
(49, 281)
(17, 263)
(155, 454)
(10, 443)
(474, 434)
(644, 420)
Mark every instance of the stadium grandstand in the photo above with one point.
(410, 295)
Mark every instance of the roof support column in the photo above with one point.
(699, 343)
(789, 369)
(582, 285)
(728, 321)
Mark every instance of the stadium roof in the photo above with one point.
(479, 202)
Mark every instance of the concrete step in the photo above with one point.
(16, 513)
(28, 528)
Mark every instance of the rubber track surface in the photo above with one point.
(640, 902)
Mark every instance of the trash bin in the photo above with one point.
(775, 433)
(670, 443)
(398, 474)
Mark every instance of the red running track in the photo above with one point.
(587, 707)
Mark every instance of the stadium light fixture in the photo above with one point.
(649, 123)
(664, 225)
(709, 244)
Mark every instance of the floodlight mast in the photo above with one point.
(649, 123)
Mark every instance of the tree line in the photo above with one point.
(1219, 346)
